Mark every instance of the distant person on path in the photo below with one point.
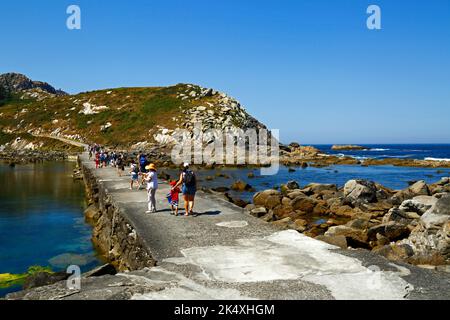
(189, 188)
(142, 160)
(152, 185)
(173, 198)
(120, 165)
(134, 175)
(97, 160)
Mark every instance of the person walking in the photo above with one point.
(97, 160)
(134, 175)
(120, 164)
(142, 161)
(152, 185)
(189, 188)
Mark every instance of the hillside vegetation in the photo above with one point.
(122, 117)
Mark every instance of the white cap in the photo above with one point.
(186, 164)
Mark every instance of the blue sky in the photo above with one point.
(309, 68)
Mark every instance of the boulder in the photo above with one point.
(395, 252)
(258, 212)
(320, 208)
(313, 188)
(292, 185)
(360, 191)
(260, 198)
(340, 210)
(303, 203)
(283, 223)
(438, 214)
(294, 194)
(241, 186)
(273, 201)
(360, 224)
(281, 212)
(419, 204)
(391, 230)
(444, 181)
(358, 237)
(400, 216)
(339, 241)
(419, 188)
(221, 189)
(286, 201)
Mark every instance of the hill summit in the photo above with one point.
(16, 83)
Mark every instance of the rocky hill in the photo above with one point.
(129, 118)
(19, 84)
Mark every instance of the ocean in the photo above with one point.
(402, 151)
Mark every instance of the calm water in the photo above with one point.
(41, 219)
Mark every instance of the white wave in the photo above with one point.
(397, 156)
(378, 149)
(437, 159)
(357, 157)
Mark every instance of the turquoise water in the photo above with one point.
(41, 219)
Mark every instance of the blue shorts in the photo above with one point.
(135, 177)
(188, 190)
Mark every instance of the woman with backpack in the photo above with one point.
(189, 188)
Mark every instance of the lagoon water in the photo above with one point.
(41, 219)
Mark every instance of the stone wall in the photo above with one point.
(114, 235)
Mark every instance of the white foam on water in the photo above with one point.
(437, 159)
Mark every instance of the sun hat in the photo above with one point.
(151, 166)
(186, 164)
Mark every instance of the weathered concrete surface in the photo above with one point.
(226, 254)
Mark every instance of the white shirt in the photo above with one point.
(152, 180)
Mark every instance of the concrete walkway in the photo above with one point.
(225, 253)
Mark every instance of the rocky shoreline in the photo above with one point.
(13, 157)
(410, 225)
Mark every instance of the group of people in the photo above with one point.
(145, 173)
(104, 158)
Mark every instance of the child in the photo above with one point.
(172, 197)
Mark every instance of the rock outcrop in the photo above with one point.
(347, 147)
(20, 84)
